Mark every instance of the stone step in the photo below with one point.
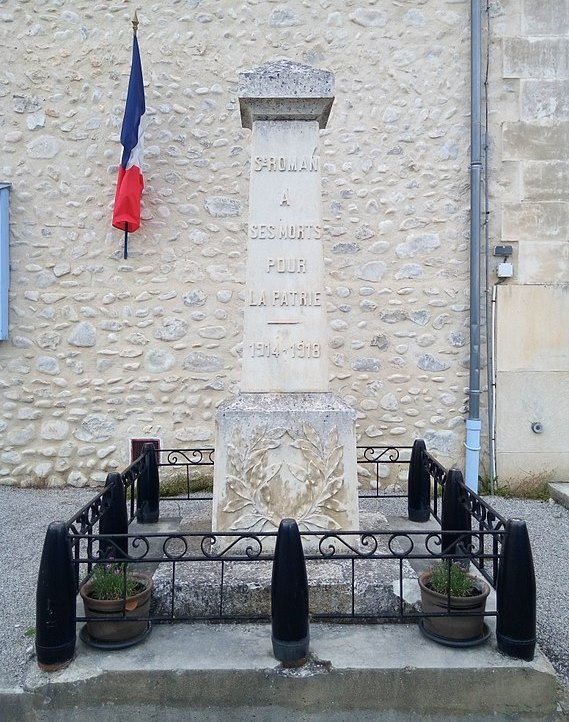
(559, 491)
(215, 672)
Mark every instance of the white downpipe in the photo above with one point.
(492, 392)
(473, 427)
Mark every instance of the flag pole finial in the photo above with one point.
(135, 22)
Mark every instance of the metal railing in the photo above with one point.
(185, 465)
(471, 532)
(202, 576)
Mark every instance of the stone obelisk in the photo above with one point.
(285, 445)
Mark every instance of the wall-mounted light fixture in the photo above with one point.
(505, 269)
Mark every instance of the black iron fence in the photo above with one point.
(188, 466)
(227, 576)
(355, 563)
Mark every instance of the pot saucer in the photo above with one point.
(97, 644)
(455, 642)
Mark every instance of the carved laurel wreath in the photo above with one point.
(252, 482)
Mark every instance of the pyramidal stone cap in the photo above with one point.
(285, 90)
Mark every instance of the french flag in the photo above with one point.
(126, 213)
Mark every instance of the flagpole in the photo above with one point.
(134, 30)
(126, 211)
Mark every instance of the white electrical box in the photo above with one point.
(505, 270)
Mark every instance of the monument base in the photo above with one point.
(368, 587)
(247, 589)
(281, 455)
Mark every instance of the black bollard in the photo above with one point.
(289, 597)
(55, 601)
(418, 485)
(114, 520)
(148, 496)
(454, 515)
(515, 594)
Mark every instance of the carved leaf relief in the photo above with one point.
(263, 488)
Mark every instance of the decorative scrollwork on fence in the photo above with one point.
(175, 547)
(141, 545)
(185, 457)
(338, 545)
(434, 543)
(437, 472)
(374, 454)
(133, 472)
(478, 509)
(89, 515)
(400, 544)
(238, 545)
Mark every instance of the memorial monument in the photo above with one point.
(285, 445)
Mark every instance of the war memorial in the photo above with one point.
(293, 310)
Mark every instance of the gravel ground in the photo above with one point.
(24, 517)
(548, 528)
(25, 514)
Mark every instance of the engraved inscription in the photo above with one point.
(283, 163)
(286, 265)
(301, 349)
(285, 298)
(285, 301)
(285, 231)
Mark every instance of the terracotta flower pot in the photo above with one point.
(138, 605)
(454, 628)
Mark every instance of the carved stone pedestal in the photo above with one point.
(285, 446)
(285, 455)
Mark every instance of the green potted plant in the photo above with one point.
(113, 590)
(448, 588)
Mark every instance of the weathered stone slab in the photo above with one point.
(536, 58)
(284, 335)
(271, 92)
(545, 100)
(533, 396)
(546, 264)
(538, 339)
(530, 141)
(247, 585)
(285, 455)
(285, 447)
(247, 589)
(545, 18)
(535, 221)
(546, 181)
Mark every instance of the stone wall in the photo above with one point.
(530, 211)
(103, 349)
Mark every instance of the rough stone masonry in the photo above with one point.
(101, 350)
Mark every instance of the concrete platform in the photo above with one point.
(227, 672)
(213, 672)
(559, 491)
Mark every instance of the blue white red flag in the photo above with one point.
(126, 213)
